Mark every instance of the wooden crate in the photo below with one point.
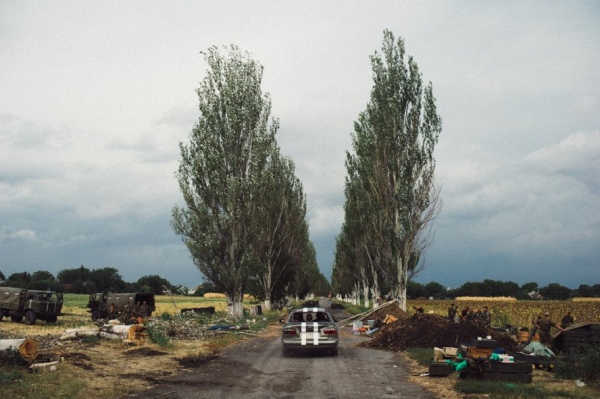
(440, 369)
(523, 336)
(479, 353)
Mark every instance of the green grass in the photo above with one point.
(423, 356)
(355, 309)
(504, 390)
(20, 383)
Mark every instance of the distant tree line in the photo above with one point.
(493, 288)
(81, 280)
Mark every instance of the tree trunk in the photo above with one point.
(10, 343)
(366, 294)
(267, 304)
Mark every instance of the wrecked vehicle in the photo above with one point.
(30, 305)
(106, 305)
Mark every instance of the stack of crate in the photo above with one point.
(482, 367)
(440, 366)
(578, 337)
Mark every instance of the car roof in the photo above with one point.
(309, 309)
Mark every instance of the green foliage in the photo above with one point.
(555, 291)
(158, 337)
(589, 291)
(19, 384)
(10, 375)
(423, 356)
(391, 197)
(492, 288)
(166, 316)
(153, 284)
(237, 184)
(355, 309)
(584, 366)
(12, 357)
(503, 390)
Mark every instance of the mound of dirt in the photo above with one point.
(383, 311)
(430, 330)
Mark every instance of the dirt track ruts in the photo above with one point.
(255, 368)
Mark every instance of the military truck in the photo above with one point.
(31, 305)
(106, 305)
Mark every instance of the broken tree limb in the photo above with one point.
(363, 315)
(6, 344)
(108, 331)
(28, 348)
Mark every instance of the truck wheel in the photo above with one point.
(96, 315)
(16, 319)
(30, 317)
(51, 319)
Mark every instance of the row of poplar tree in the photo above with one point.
(391, 195)
(244, 219)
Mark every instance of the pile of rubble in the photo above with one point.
(427, 330)
(193, 326)
(188, 327)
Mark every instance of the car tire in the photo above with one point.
(30, 317)
(96, 315)
(334, 352)
(285, 352)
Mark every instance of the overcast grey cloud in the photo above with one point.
(96, 96)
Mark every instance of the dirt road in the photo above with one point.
(256, 369)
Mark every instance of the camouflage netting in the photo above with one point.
(430, 330)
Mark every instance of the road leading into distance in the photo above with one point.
(255, 368)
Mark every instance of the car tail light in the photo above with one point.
(289, 331)
(329, 331)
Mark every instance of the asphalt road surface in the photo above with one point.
(256, 369)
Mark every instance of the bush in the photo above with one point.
(584, 366)
(158, 337)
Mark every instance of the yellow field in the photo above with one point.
(75, 314)
(518, 313)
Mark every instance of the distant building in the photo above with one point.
(192, 291)
(535, 295)
(183, 290)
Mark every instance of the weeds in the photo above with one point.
(503, 390)
(10, 375)
(158, 337)
(423, 356)
(17, 383)
(584, 366)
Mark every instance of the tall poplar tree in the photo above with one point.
(219, 169)
(280, 231)
(393, 164)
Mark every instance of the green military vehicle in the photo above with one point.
(31, 305)
(107, 305)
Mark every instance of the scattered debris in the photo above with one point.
(430, 330)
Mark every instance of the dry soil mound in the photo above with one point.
(429, 330)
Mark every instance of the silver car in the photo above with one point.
(309, 329)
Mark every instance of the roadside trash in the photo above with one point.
(580, 383)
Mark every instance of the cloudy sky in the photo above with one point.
(96, 96)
